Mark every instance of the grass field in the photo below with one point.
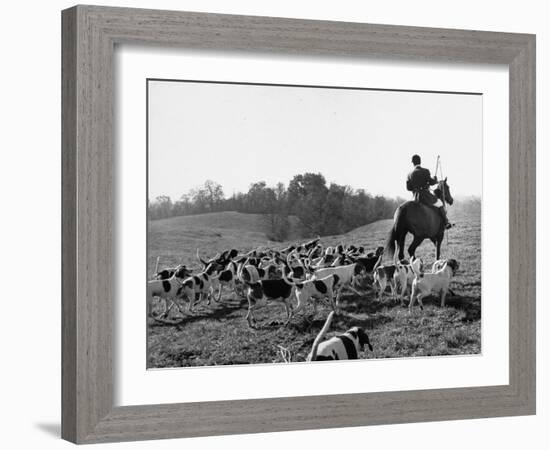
(218, 334)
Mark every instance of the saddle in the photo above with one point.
(426, 197)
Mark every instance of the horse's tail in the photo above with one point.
(390, 242)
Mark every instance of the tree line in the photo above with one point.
(321, 208)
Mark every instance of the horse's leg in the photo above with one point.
(414, 245)
(438, 248)
(401, 244)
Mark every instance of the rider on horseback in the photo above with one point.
(419, 182)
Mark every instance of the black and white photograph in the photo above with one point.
(296, 223)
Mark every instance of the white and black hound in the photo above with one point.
(195, 288)
(169, 272)
(250, 273)
(261, 292)
(438, 282)
(170, 289)
(346, 277)
(316, 289)
(227, 277)
(344, 346)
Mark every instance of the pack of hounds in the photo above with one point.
(297, 276)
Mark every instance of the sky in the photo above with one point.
(238, 134)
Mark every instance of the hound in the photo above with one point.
(220, 259)
(332, 257)
(316, 251)
(270, 268)
(346, 277)
(264, 291)
(195, 288)
(426, 283)
(227, 256)
(294, 266)
(400, 274)
(384, 275)
(169, 272)
(317, 289)
(169, 289)
(341, 260)
(438, 265)
(369, 261)
(323, 261)
(343, 346)
(306, 247)
(227, 277)
(206, 283)
(249, 273)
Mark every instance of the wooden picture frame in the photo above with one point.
(89, 37)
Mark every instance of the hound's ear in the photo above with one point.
(445, 179)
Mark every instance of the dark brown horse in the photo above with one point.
(422, 221)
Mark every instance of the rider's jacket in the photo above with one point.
(419, 182)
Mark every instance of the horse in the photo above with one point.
(422, 221)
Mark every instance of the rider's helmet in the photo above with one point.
(416, 160)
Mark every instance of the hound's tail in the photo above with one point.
(307, 265)
(287, 279)
(378, 263)
(313, 355)
(202, 261)
(240, 271)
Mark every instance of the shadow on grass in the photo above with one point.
(341, 322)
(368, 304)
(470, 305)
(216, 311)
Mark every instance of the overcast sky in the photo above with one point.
(240, 134)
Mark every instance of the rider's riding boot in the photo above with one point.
(443, 212)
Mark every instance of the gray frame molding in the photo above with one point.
(89, 36)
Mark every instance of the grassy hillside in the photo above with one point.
(218, 334)
(176, 239)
